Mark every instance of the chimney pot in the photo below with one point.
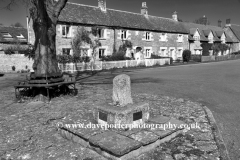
(102, 5)
(205, 20)
(174, 16)
(144, 9)
(228, 22)
(219, 23)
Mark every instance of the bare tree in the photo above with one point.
(44, 14)
(18, 24)
(202, 20)
(85, 37)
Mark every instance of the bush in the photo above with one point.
(236, 53)
(13, 68)
(153, 56)
(219, 47)
(186, 55)
(9, 51)
(118, 56)
(206, 47)
(72, 59)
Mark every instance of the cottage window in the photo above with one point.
(163, 52)
(123, 34)
(148, 54)
(223, 39)
(101, 33)
(163, 37)
(84, 52)
(196, 38)
(210, 39)
(180, 38)
(66, 51)
(180, 52)
(148, 36)
(66, 31)
(101, 53)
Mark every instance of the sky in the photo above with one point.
(188, 10)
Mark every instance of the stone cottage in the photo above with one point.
(13, 37)
(155, 35)
(233, 30)
(199, 34)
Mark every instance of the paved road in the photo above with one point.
(216, 85)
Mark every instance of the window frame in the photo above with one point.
(101, 33)
(67, 33)
(148, 53)
(64, 52)
(163, 37)
(180, 38)
(101, 49)
(196, 38)
(81, 52)
(123, 34)
(148, 36)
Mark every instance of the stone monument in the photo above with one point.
(122, 110)
(122, 90)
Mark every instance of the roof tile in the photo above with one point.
(90, 15)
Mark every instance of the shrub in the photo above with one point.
(186, 55)
(72, 59)
(153, 56)
(9, 51)
(206, 47)
(13, 68)
(118, 56)
(236, 53)
(219, 47)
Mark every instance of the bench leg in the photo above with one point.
(48, 95)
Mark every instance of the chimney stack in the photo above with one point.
(144, 9)
(174, 16)
(102, 5)
(228, 22)
(220, 23)
(205, 20)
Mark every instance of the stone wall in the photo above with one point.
(113, 40)
(18, 60)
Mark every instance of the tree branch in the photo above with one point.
(59, 6)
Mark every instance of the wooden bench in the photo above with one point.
(25, 85)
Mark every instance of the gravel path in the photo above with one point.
(28, 130)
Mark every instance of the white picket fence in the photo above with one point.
(100, 65)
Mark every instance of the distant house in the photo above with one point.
(199, 34)
(233, 30)
(155, 35)
(13, 37)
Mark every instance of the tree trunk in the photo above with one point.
(45, 15)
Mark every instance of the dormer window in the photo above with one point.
(6, 35)
(196, 38)
(163, 37)
(21, 37)
(180, 38)
(223, 38)
(210, 38)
